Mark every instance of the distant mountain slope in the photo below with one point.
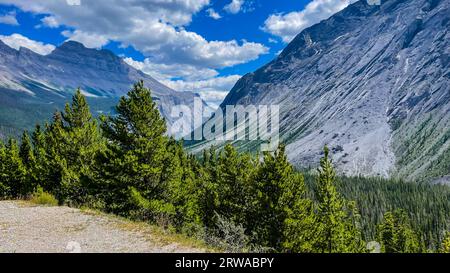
(32, 85)
(372, 82)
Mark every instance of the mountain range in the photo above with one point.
(32, 86)
(372, 82)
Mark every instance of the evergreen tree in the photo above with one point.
(81, 141)
(27, 156)
(336, 227)
(54, 164)
(233, 184)
(281, 204)
(13, 172)
(4, 188)
(39, 171)
(135, 155)
(26, 150)
(210, 175)
(395, 234)
(184, 188)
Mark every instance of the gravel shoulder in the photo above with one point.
(26, 228)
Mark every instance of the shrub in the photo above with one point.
(41, 197)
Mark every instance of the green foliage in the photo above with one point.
(445, 245)
(395, 234)
(29, 161)
(40, 197)
(12, 171)
(281, 208)
(136, 155)
(336, 219)
(236, 201)
(72, 141)
(428, 205)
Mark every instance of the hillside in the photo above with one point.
(372, 82)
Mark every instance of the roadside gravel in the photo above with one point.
(27, 228)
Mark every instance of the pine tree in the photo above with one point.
(28, 159)
(39, 171)
(135, 154)
(26, 150)
(13, 172)
(281, 203)
(4, 188)
(235, 173)
(54, 164)
(336, 228)
(81, 141)
(207, 172)
(184, 188)
(395, 233)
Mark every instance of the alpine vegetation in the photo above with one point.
(127, 164)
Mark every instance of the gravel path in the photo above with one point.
(26, 228)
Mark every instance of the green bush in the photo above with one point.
(41, 197)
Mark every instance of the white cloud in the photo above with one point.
(163, 72)
(90, 40)
(206, 82)
(287, 26)
(190, 48)
(216, 84)
(213, 14)
(50, 21)
(9, 19)
(213, 90)
(17, 41)
(234, 7)
(154, 27)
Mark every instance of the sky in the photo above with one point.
(203, 46)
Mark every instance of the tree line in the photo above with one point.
(126, 164)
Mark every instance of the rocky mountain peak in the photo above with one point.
(76, 53)
(371, 82)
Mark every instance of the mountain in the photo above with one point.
(372, 82)
(32, 86)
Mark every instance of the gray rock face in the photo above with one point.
(99, 73)
(372, 82)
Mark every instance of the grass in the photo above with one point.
(40, 197)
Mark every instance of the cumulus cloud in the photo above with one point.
(164, 72)
(213, 90)
(217, 84)
(17, 41)
(50, 21)
(90, 40)
(206, 82)
(288, 25)
(9, 19)
(234, 7)
(154, 27)
(213, 14)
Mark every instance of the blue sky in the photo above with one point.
(203, 46)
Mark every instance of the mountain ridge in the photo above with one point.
(372, 82)
(39, 80)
